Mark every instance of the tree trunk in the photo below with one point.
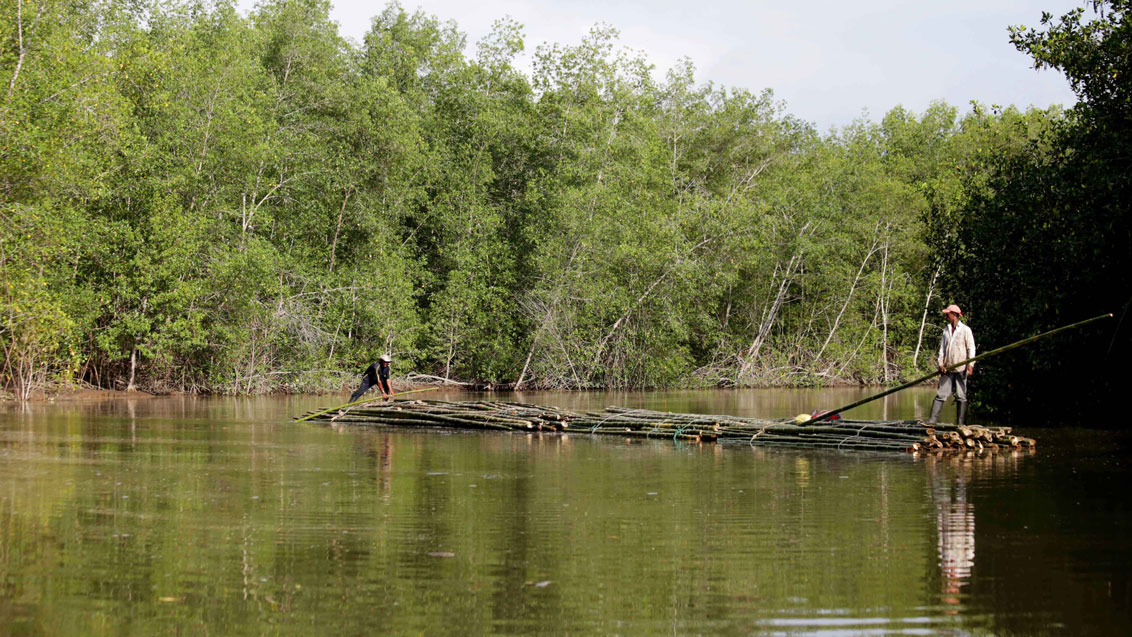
(852, 288)
(645, 295)
(884, 301)
(133, 369)
(20, 43)
(527, 364)
(768, 317)
(924, 319)
(876, 313)
(337, 228)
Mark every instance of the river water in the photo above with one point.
(222, 516)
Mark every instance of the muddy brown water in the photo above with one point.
(221, 516)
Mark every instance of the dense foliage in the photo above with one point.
(197, 200)
(1045, 237)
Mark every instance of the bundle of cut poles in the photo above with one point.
(872, 435)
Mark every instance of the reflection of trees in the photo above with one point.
(260, 520)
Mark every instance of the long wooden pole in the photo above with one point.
(359, 402)
(1000, 350)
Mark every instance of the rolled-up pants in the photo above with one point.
(952, 383)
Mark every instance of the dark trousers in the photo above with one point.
(951, 383)
(367, 382)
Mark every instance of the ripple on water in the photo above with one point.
(239, 525)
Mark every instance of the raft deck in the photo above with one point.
(910, 436)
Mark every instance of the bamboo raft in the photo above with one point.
(820, 431)
(909, 436)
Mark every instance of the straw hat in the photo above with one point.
(385, 358)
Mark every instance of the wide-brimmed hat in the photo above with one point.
(953, 308)
(385, 358)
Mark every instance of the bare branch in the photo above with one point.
(645, 295)
(856, 279)
(20, 41)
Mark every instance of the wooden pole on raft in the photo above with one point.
(1000, 350)
(359, 402)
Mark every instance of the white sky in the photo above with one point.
(831, 61)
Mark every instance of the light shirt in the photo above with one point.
(957, 344)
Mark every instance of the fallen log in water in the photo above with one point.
(860, 435)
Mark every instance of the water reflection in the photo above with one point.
(762, 403)
(951, 479)
(224, 515)
(379, 449)
(754, 403)
(955, 524)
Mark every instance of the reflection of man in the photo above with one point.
(956, 344)
(385, 467)
(955, 522)
(379, 449)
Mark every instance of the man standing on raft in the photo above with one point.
(376, 375)
(957, 344)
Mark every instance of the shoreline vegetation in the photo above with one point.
(196, 201)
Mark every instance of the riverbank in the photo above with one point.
(64, 392)
(77, 393)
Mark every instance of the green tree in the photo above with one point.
(63, 129)
(1045, 235)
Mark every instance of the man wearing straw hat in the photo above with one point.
(957, 344)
